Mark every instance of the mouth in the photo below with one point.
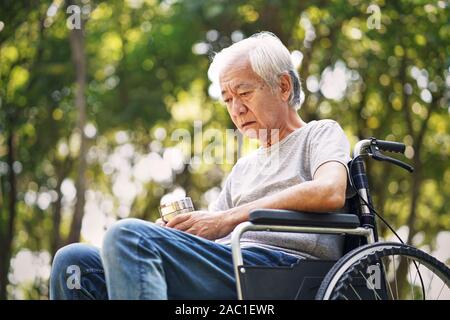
(248, 123)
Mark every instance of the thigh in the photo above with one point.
(197, 268)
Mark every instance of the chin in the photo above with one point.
(250, 133)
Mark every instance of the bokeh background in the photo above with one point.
(87, 115)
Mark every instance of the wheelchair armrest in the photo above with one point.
(305, 219)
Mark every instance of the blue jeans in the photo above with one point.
(141, 260)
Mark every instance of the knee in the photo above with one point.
(119, 232)
(123, 235)
(71, 255)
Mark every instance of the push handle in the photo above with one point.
(391, 146)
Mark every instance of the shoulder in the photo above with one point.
(324, 127)
(324, 123)
(328, 132)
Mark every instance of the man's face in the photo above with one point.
(251, 103)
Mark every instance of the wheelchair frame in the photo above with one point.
(248, 226)
(366, 229)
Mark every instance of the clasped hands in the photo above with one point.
(205, 224)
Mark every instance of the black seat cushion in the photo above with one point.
(305, 219)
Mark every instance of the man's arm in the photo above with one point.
(325, 192)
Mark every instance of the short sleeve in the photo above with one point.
(328, 143)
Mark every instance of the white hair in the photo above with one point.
(269, 59)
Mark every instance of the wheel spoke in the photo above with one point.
(387, 281)
(443, 285)
(395, 276)
(372, 287)
(415, 278)
(431, 281)
(408, 263)
(355, 292)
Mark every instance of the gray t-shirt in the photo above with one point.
(291, 161)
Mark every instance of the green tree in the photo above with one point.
(138, 69)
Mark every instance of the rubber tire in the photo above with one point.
(374, 251)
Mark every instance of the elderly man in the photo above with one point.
(303, 167)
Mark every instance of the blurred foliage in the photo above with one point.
(147, 77)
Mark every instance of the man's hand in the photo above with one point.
(205, 224)
(160, 222)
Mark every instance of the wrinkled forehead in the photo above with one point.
(238, 74)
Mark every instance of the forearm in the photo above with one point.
(315, 196)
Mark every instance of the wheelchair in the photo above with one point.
(368, 270)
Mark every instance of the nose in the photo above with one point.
(237, 108)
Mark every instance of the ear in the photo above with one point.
(285, 86)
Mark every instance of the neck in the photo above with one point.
(291, 123)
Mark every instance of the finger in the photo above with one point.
(192, 230)
(178, 219)
(160, 222)
(183, 226)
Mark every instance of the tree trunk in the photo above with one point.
(56, 236)
(6, 249)
(79, 59)
(417, 177)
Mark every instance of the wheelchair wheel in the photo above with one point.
(386, 271)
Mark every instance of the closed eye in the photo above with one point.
(244, 94)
